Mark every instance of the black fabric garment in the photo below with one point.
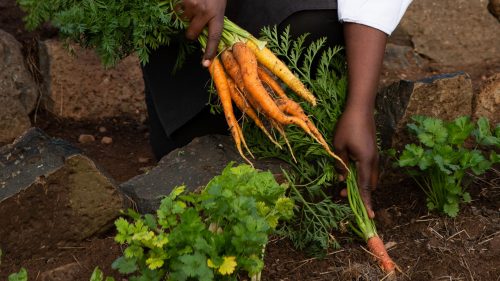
(254, 14)
(177, 102)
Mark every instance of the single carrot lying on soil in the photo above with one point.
(366, 227)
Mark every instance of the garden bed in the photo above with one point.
(425, 246)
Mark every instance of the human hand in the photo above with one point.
(355, 140)
(201, 14)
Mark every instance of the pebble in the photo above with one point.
(102, 129)
(106, 140)
(143, 160)
(85, 138)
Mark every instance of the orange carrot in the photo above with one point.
(266, 78)
(245, 107)
(232, 68)
(222, 86)
(267, 58)
(248, 65)
(376, 247)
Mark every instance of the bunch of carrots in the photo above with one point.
(244, 74)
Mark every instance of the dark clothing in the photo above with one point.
(254, 14)
(175, 99)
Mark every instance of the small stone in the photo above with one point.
(85, 138)
(143, 160)
(106, 140)
(62, 273)
(102, 129)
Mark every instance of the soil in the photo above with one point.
(425, 246)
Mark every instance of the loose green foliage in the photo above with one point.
(323, 71)
(22, 275)
(316, 216)
(441, 159)
(212, 235)
(114, 28)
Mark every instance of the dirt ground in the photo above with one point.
(425, 246)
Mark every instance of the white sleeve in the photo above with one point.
(380, 14)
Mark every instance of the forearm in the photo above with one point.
(365, 48)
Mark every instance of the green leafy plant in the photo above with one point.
(441, 158)
(323, 71)
(22, 275)
(216, 234)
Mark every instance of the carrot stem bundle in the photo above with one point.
(366, 227)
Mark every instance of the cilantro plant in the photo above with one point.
(441, 159)
(323, 71)
(216, 234)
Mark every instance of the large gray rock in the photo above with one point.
(193, 165)
(452, 32)
(444, 96)
(79, 87)
(51, 195)
(18, 91)
(487, 102)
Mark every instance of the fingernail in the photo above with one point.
(206, 63)
(371, 214)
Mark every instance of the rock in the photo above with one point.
(452, 32)
(81, 89)
(18, 90)
(398, 57)
(102, 130)
(106, 140)
(63, 273)
(51, 195)
(487, 102)
(494, 8)
(193, 165)
(444, 96)
(85, 138)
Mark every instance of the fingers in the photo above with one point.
(201, 14)
(344, 155)
(214, 33)
(367, 177)
(196, 27)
